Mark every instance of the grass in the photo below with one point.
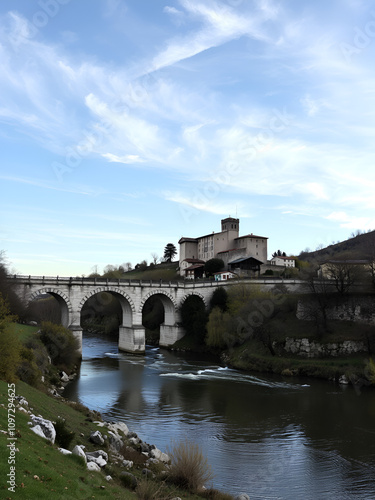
(43, 472)
(167, 271)
(23, 332)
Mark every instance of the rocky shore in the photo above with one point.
(111, 445)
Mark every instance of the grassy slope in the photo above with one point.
(42, 471)
(23, 332)
(165, 271)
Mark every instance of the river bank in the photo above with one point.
(44, 469)
(291, 347)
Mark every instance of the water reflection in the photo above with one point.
(269, 437)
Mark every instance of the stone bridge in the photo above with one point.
(72, 294)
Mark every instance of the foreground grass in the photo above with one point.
(43, 472)
(23, 332)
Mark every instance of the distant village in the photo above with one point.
(242, 255)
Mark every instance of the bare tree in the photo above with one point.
(155, 258)
(343, 274)
(318, 300)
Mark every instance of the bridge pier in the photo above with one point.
(132, 339)
(169, 334)
(77, 332)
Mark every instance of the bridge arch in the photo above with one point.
(126, 302)
(63, 301)
(169, 304)
(193, 294)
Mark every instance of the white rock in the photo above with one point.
(119, 427)
(46, 426)
(64, 377)
(159, 455)
(77, 450)
(64, 451)
(98, 453)
(108, 478)
(343, 380)
(93, 466)
(97, 460)
(38, 430)
(115, 441)
(127, 463)
(100, 457)
(97, 438)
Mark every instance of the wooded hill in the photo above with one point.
(360, 246)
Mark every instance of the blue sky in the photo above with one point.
(126, 124)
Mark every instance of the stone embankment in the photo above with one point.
(311, 349)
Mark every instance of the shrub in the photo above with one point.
(128, 480)
(194, 317)
(189, 468)
(28, 370)
(10, 347)
(217, 328)
(213, 494)
(151, 490)
(61, 344)
(63, 435)
(370, 371)
(219, 299)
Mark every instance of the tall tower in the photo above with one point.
(230, 224)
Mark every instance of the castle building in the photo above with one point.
(242, 255)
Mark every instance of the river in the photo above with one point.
(271, 437)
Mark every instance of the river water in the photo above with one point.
(271, 437)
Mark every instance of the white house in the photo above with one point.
(224, 276)
(283, 261)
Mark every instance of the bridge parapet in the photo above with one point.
(188, 284)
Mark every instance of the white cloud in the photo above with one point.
(352, 221)
(127, 159)
(220, 25)
(207, 198)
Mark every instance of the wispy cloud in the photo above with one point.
(220, 24)
(83, 190)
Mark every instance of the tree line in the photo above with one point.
(117, 271)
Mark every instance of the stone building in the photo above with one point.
(234, 250)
